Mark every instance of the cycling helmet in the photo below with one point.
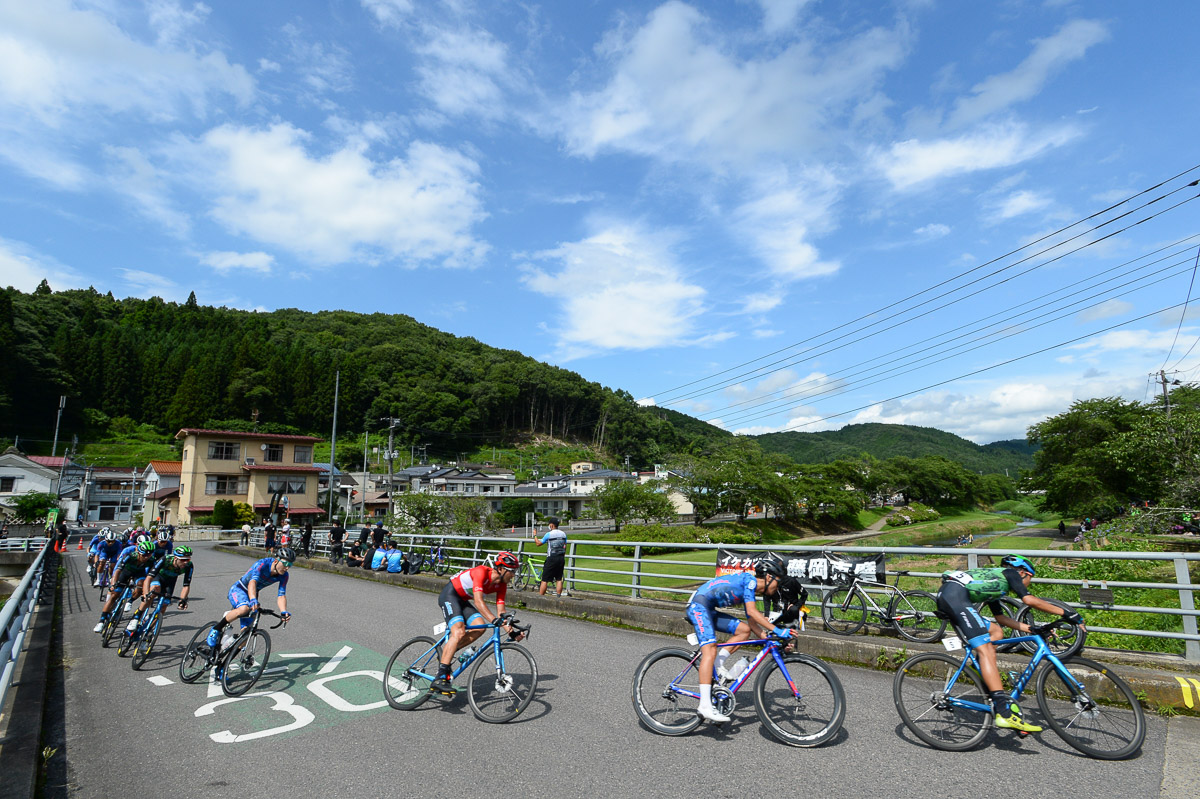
(182, 553)
(142, 538)
(507, 560)
(145, 547)
(1018, 562)
(109, 535)
(163, 535)
(770, 567)
(286, 553)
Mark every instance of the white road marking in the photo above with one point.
(158, 679)
(299, 655)
(336, 660)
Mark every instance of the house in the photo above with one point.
(344, 488)
(247, 467)
(20, 474)
(661, 475)
(113, 494)
(585, 466)
(160, 500)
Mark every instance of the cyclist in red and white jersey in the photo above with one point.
(462, 603)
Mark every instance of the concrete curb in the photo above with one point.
(1165, 683)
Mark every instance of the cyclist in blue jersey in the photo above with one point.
(161, 580)
(730, 590)
(396, 563)
(94, 545)
(243, 595)
(960, 589)
(107, 552)
(131, 566)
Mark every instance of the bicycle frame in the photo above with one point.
(1043, 653)
(769, 646)
(492, 641)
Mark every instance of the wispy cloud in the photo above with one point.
(225, 262)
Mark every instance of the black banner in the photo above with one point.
(812, 568)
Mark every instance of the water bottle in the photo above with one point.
(226, 640)
(738, 668)
(465, 655)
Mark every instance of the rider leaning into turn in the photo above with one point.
(243, 595)
(161, 581)
(730, 590)
(462, 603)
(132, 565)
(960, 589)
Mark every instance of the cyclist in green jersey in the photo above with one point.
(962, 588)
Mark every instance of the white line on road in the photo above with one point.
(336, 660)
(158, 679)
(299, 655)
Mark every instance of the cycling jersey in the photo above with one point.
(94, 544)
(165, 569)
(725, 591)
(987, 585)
(123, 560)
(261, 573)
(465, 583)
(395, 561)
(556, 542)
(378, 559)
(110, 550)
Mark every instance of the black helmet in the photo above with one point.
(769, 567)
(287, 554)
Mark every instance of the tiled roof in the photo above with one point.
(198, 431)
(167, 467)
(46, 460)
(163, 493)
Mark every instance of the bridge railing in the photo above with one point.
(675, 570)
(18, 609)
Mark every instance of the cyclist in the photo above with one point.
(92, 548)
(243, 595)
(725, 591)
(131, 566)
(107, 552)
(962, 588)
(161, 580)
(163, 545)
(462, 603)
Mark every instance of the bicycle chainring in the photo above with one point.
(723, 700)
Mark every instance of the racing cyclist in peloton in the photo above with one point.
(132, 565)
(107, 552)
(960, 589)
(462, 603)
(730, 590)
(161, 580)
(243, 595)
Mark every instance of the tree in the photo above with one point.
(513, 511)
(223, 514)
(33, 507)
(416, 513)
(624, 500)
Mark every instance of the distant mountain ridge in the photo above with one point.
(885, 441)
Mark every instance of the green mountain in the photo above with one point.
(885, 441)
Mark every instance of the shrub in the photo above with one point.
(1024, 509)
(683, 535)
(911, 514)
(223, 514)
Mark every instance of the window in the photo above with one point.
(226, 484)
(273, 453)
(223, 450)
(7, 484)
(288, 485)
(303, 455)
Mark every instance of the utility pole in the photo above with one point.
(62, 403)
(391, 456)
(333, 482)
(366, 474)
(1162, 376)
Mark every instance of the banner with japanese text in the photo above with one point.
(812, 568)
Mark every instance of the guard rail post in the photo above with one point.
(1186, 602)
(636, 588)
(571, 560)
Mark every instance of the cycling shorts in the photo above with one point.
(708, 622)
(953, 600)
(123, 578)
(239, 597)
(455, 609)
(166, 584)
(553, 570)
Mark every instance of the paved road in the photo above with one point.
(318, 730)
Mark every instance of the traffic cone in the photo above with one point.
(80, 544)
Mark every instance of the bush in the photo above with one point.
(911, 514)
(243, 514)
(683, 535)
(223, 514)
(1024, 509)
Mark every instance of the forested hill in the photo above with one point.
(885, 441)
(181, 365)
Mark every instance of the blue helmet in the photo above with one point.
(1018, 562)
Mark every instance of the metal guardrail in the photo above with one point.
(22, 544)
(637, 575)
(17, 611)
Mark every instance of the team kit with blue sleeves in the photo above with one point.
(727, 591)
(260, 572)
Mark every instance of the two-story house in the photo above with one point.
(160, 498)
(246, 467)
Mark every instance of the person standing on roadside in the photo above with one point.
(245, 535)
(60, 541)
(377, 535)
(269, 535)
(556, 558)
(336, 534)
(306, 539)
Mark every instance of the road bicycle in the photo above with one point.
(1065, 639)
(501, 683)
(239, 660)
(912, 614)
(435, 560)
(113, 626)
(943, 700)
(798, 697)
(528, 575)
(145, 636)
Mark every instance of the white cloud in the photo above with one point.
(225, 262)
(780, 219)
(934, 230)
(1105, 310)
(763, 332)
(909, 163)
(620, 289)
(171, 20)
(24, 268)
(323, 68)
(647, 402)
(342, 205)
(998, 92)
(148, 284)
(267, 65)
(1128, 340)
(132, 174)
(463, 72)
(389, 12)
(1021, 202)
(761, 303)
(779, 15)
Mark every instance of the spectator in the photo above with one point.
(269, 535)
(354, 558)
(60, 543)
(306, 539)
(556, 557)
(3, 530)
(363, 534)
(396, 562)
(336, 534)
(378, 534)
(245, 535)
(285, 534)
(368, 556)
(1062, 528)
(379, 558)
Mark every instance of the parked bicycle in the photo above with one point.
(943, 700)
(239, 658)
(502, 681)
(436, 560)
(527, 576)
(797, 697)
(912, 614)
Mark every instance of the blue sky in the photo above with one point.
(735, 209)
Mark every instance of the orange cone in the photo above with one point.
(80, 544)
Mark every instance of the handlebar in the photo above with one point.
(282, 619)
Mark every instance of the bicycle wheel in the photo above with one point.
(405, 689)
(441, 566)
(914, 615)
(656, 697)
(844, 610)
(521, 579)
(243, 664)
(1104, 720)
(922, 690)
(808, 715)
(195, 662)
(496, 694)
(1064, 642)
(143, 647)
(113, 626)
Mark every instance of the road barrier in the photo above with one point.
(17, 611)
